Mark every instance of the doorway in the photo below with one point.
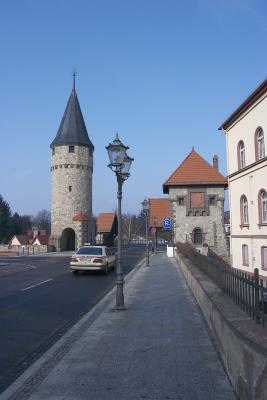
(197, 236)
(68, 240)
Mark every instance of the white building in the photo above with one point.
(246, 136)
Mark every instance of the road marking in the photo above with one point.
(37, 284)
(29, 265)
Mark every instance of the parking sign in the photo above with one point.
(167, 224)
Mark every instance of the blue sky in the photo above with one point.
(163, 73)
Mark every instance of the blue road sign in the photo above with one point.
(167, 223)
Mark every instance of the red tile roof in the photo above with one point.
(43, 239)
(80, 217)
(23, 239)
(105, 221)
(158, 210)
(194, 170)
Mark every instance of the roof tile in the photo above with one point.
(194, 170)
(158, 210)
(105, 222)
(80, 217)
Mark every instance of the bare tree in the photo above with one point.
(42, 220)
(132, 226)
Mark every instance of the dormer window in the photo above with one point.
(71, 149)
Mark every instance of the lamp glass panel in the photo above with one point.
(126, 164)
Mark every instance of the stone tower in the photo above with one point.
(71, 170)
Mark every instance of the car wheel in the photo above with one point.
(75, 272)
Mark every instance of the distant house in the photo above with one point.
(196, 192)
(32, 237)
(40, 240)
(107, 228)
(159, 209)
(20, 240)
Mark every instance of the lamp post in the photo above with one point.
(145, 205)
(154, 220)
(120, 163)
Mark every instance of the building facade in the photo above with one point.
(245, 131)
(71, 178)
(196, 192)
(106, 229)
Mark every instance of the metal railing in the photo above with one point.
(246, 289)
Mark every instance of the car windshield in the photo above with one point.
(90, 250)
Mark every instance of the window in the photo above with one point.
(259, 144)
(197, 236)
(212, 200)
(53, 151)
(69, 188)
(262, 200)
(181, 201)
(245, 254)
(241, 155)
(244, 210)
(71, 149)
(197, 200)
(264, 257)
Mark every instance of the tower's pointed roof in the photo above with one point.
(72, 129)
(194, 170)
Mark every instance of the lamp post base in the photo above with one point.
(119, 294)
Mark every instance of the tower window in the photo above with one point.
(212, 200)
(69, 188)
(53, 151)
(71, 149)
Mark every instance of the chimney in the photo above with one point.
(216, 162)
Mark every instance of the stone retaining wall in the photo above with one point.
(241, 343)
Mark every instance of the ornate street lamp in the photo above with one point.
(120, 163)
(145, 205)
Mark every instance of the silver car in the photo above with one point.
(93, 258)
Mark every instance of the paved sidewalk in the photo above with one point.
(157, 349)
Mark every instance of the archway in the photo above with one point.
(197, 236)
(68, 240)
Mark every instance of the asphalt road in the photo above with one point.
(40, 299)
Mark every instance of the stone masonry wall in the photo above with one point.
(209, 219)
(71, 189)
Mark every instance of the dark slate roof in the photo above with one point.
(72, 129)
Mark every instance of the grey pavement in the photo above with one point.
(158, 348)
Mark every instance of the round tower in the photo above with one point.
(71, 170)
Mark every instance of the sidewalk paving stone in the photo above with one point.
(159, 348)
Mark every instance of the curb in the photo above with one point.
(21, 388)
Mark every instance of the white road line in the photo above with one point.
(29, 265)
(37, 284)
